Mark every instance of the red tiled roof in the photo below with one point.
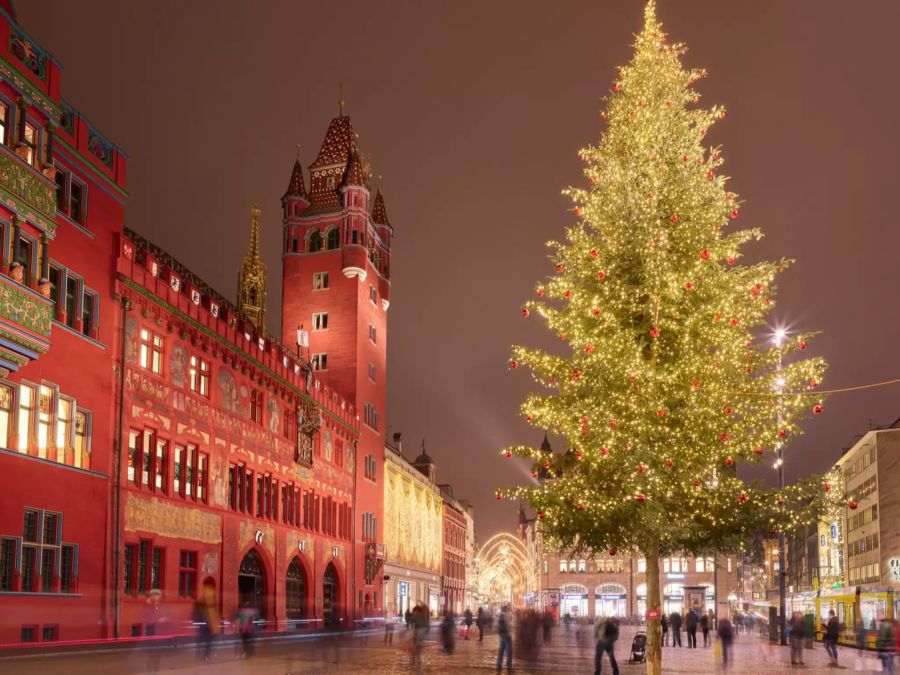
(296, 188)
(339, 142)
(379, 214)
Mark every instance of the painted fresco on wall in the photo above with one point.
(131, 334)
(274, 411)
(178, 365)
(228, 390)
(217, 481)
(327, 445)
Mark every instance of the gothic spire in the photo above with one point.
(252, 279)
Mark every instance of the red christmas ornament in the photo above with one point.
(852, 504)
(779, 501)
(825, 487)
(813, 383)
(716, 316)
(734, 322)
(697, 483)
(715, 155)
(601, 275)
(758, 450)
(733, 214)
(704, 254)
(540, 292)
(588, 349)
(576, 374)
(685, 159)
(568, 293)
(508, 454)
(728, 410)
(525, 312)
(640, 496)
(540, 515)
(616, 87)
(612, 551)
(674, 217)
(695, 384)
(585, 431)
(729, 461)
(580, 506)
(551, 380)
(498, 495)
(649, 195)
(560, 268)
(724, 437)
(594, 253)
(513, 364)
(596, 311)
(641, 468)
(546, 463)
(528, 418)
(577, 212)
(604, 452)
(534, 474)
(654, 332)
(632, 378)
(782, 433)
(579, 454)
(710, 175)
(613, 425)
(801, 344)
(669, 463)
(730, 260)
(742, 497)
(660, 412)
(688, 285)
(817, 409)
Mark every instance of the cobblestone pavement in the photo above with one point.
(368, 655)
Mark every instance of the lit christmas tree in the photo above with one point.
(666, 377)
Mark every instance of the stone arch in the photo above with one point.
(252, 582)
(296, 593)
(313, 240)
(332, 238)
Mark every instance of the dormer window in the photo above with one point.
(329, 181)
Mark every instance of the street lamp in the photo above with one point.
(779, 464)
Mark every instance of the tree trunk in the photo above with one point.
(654, 632)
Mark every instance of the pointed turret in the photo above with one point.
(425, 464)
(252, 279)
(545, 445)
(355, 174)
(379, 213)
(296, 187)
(327, 172)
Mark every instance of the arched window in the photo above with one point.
(295, 592)
(562, 566)
(610, 589)
(332, 239)
(313, 241)
(582, 566)
(572, 565)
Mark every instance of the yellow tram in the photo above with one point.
(852, 605)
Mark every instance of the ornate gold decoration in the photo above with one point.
(252, 279)
(171, 520)
(248, 536)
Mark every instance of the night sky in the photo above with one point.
(473, 113)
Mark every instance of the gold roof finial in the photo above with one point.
(298, 152)
(341, 102)
(252, 278)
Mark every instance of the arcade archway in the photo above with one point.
(252, 583)
(295, 594)
(331, 611)
(506, 573)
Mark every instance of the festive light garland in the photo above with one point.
(656, 312)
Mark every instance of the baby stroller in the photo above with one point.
(638, 648)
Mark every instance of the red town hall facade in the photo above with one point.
(153, 435)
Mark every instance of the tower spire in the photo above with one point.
(252, 278)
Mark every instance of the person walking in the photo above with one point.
(884, 643)
(468, 621)
(480, 621)
(547, 624)
(664, 624)
(389, 625)
(675, 626)
(448, 632)
(408, 617)
(421, 626)
(504, 630)
(832, 632)
(704, 628)
(605, 645)
(206, 619)
(691, 621)
(798, 634)
(246, 622)
(726, 636)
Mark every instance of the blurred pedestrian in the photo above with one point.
(155, 624)
(704, 628)
(468, 619)
(664, 625)
(798, 633)
(884, 643)
(691, 621)
(504, 630)
(409, 619)
(480, 621)
(421, 626)
(726, 637)
(206, 618)
(448, 632)
(608, 635)
(675, 627)
(246, 622)
(832, 633)
(389, 626)
(547, 625)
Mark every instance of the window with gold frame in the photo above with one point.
(6, 399)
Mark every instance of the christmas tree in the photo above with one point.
(666, 376)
